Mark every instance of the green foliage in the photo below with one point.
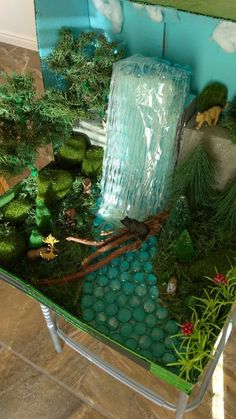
(225, 206)
(72, 152)
(35, 239)
(228, 122)
(16, 211)
(53, 184)
(218, 261)
(178, 218)
(12, 249)
(43, 217)
(194, 178)
(214, 94)
(183, 248)
(29, 188)
(208, 317)
(92, 162)
(27, 122)
(86, 65)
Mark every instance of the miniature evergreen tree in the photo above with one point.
(28, 122)
(178, 218)
(86, 65)
(214, 94)
(226, 208)
(194, 178)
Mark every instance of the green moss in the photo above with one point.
(214, 94)
(92, 163)
(43, 217)
(12, 249)
(36, 239)
(221, 261)
(16, 211)
(53, 184)
(72, 152)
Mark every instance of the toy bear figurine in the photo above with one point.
(211, 116)
(138, 228)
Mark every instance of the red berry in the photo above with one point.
(187, 328)
(220, 279)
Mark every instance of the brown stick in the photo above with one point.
(97, 243)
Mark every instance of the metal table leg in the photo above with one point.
(52, 328)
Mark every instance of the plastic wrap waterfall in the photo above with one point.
(147, 97)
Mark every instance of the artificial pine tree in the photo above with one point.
(194, 178)
(178, 218)
(226, 208)
(85, 63)
(28, 122)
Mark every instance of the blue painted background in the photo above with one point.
(186, 37)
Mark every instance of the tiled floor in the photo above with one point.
(37, 383)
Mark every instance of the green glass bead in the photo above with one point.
(103, 270)
(140, 328)
(141, 290)
(131, 343)
(122, 300)
(90, 277)
(138, 277)
(88, 315)
(150, 320)
(99, 306)
(128, 288)
(126, 329)
(101, 318)
(115, 285)
(154, 292)
(134, 301)
(157, 334)
(117, 337)
(110, 297)
(129, 256)
(143, 256)
(113, 323)
(151, 279)
(88, 288)
(152, 240)
(152, 251)
(135, 266)
(87, 301)
(114, 263)
(111, 310)
(158, 349)
(139, 314)
(144, 246)
(125, 277)
(162, 313)
(102, 280)
(168, 358)
(124, 266)
(98, 292)
(124, 315)
(171, 342)
(171, 327)
(149, 306)
(145, 342)
(147, 266)
(112, 273)
(103, 329)
(146, 354)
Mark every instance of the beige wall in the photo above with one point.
(17, 25)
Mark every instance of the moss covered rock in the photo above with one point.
(53, 184)
(16, 211)
(12, 249)
(72, 152)
(214, 94)
(221, 260)
(92, 162)
(43, 217)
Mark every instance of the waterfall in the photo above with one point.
(146, 101)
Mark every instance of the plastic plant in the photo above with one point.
(214, 94)
(85, 63)
(194, 178)
(225, 206)
(179, 217)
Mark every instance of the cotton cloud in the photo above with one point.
(112, 10)
(225, 36)
(154, 12)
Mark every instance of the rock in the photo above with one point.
(16, 211)
(71, 154)
(92, 162)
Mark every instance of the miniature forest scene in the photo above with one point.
(136, 239)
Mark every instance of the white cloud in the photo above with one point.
(154, 12)
(112, 10)
(225, 36)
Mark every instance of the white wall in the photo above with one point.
(17, 23)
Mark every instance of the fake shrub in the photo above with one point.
(53, 184)
(16, 211)
(226, 208)
(36, 239)
(214, 94)
(72, 152)
(12, 249)
(43, 217)
(92, 163)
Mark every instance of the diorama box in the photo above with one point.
(161, 275)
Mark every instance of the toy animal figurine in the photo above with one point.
(172, 286)
(87, 185)
(138, 228)
(50, 252)
(211, 116)
(70, 214)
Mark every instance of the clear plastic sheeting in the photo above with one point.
(146, 101)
